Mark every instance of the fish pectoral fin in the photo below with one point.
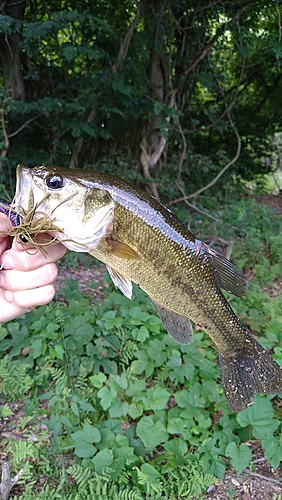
(229, 278)
(122, 250)
(123, 283)
(178, 327)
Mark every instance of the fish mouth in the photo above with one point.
(30, 221)
(24, 200)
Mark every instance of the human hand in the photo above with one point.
(26, 278)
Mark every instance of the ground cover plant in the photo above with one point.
(113, 408)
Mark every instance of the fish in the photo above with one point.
(141, 241)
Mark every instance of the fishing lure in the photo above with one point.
(24, 228)
(14, 217)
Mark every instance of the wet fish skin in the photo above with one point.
(142, 241)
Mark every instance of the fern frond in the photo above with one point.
(80, 474)
(15, 381)
(5, 411)
(81, 384)
(130, 494)
(187, 482)
(275, 244)
(23, 450)
(128, 351)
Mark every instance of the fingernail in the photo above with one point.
(8, 295)
(7, 261)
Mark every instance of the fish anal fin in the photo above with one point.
(178, 327)
(122, 250)
(123, 283)
(249, 371)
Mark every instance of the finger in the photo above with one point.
(42, 239)
(5, 225)
(5, 240)
(18, 258)
(9, 310)
(15, 280)
(29, 299)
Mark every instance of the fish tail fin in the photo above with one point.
(249, 371)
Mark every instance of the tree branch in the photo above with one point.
(185, 198)
(198, 58)
(77, 147)
(4, 150)
(23, 126)
(7, 482)
(214, 181)
(279, 19)
(127, 39)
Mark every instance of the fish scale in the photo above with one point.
(174, 290)
(140, 240)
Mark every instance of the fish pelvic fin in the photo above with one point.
(249, 371)
(123, 283)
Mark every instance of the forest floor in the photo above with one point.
(260, 483)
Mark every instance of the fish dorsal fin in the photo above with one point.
(178, 327)
(122, 250)
(229, 278)
(123, 283)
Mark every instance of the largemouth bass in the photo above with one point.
(141, 241)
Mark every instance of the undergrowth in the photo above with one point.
(114, 408)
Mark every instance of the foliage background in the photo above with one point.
(172, 96)
(153, 91)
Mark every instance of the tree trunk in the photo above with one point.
(153, 142)
(10, 51)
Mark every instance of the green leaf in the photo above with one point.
(211, 461)
(176, 446)
(157, 352)
(18, 341)
(191, 400)
(180, 426)
(118, 409)
(140, 334)
(84, 450)
(98, 380)
(70, 52)
(142, 364)
(259, 417)
(273, 450)
(83, 441)
(37, 29)
(135, 410)
(152, 434)
(102, 460)
(107, 397)
(3, 332)
(157, 398)
(74, 407)
(151, 471)
(240, 456)
(136, 389)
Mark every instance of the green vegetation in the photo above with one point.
(114, 408)
(173, 96)
(120, 85)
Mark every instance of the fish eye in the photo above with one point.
(54, 181)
